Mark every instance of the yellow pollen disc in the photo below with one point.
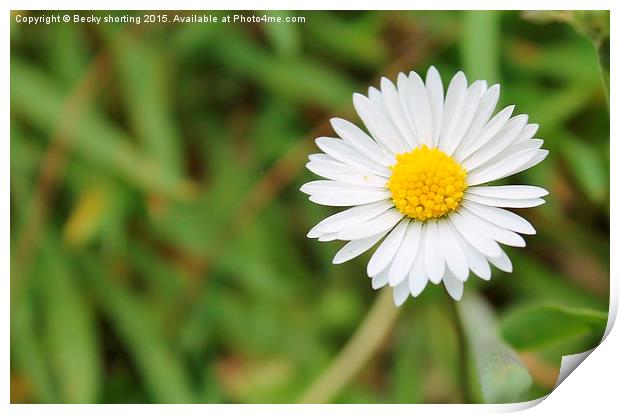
(426, 183)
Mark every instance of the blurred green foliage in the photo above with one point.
(158, 236)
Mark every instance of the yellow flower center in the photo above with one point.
(426, 183)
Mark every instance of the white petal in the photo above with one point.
(343, 152)
(349, 217)
(494, 231)
(501, 168)
(381, 129)
(417, 275)
(420, 109)
(452, 252)
(453, 285)
(401, 265)
(470, 106)
(433, 256)
(380, 280)
(488, 131)
(455, 99)
(509, 191)
(403, 93)
(385, 252)
(327, 237)
(332, 193)
(338, 171)
(499, 142)
(481, 242)
(356, 247)
(483, 114)
(434, 89)
(503, 218)
(476, 261)
(395, 109)
(505, 202)
(502, 262)
(400, 293)
(382, 222)
(528, 132)
(539, 157)
(358, 139)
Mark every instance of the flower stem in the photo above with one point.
(361, 346)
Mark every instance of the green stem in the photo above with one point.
(363, 344)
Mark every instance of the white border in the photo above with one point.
(593, 385)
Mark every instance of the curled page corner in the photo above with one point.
(571, 362)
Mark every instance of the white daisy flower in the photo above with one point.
(417, 183)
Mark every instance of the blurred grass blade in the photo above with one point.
(538, 325)
(161, 371)
(237, 54)
(144, 77)
(71, 334)
(594, 24)
(284, 37)
(25, 347)
(587, 165)
(38, 100)
(503, 377)
(480, 44)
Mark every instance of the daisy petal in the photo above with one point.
(359, 140)
(332, 193)
(356, 247)
(343, 152)
(403, 93)
(489, 131)
(455, 99)
(417, 274)
(452, 252)
(502, 262)
(509, 191)
(476, 261)
(503, 218)
(395, 109)
(350, 217)
(528, 132)
(470, 106)
(485, 245)
(499, 142)
(501, 168)
(536, 159)
(433, 260)
(497, 233)
(401, 292)
(420, 109)
(380, 280)
(401, 265)
(385, 252)
(454, 286)
(505, 202)
(337, 171)
(380, 128)
(382, 222)
(434, 89)
(483, 114)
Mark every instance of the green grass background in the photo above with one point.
(158, 235)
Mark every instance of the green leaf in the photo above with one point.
(145, 84)
(539, 325)
(162, 372)
(71, 335)
(503, 377)
(36, 98)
